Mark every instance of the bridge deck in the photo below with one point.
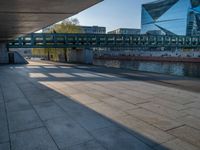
(117, 41)
(21, 17)
(69, 107)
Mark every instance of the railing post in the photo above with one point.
(32, 40)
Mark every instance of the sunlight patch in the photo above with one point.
(61, 75)
(37, 75)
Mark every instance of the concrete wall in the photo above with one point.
(19, 59)
(80, 56)
(3, 54)
(65, 55)
(155, 53)
(25, 52)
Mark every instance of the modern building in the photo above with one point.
(125, 31)
(83, 29)
(93, 29)
(171, 17)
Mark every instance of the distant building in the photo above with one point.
(84, 29)
(93, 29)
(125, 31)
(171, 17)
(155, 32)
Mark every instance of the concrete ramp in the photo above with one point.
(16, 58)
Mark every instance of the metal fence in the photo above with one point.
(45, 40)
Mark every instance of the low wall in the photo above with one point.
(3, 54)
(150, 53)
(65, 55)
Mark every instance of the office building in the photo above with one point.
(83, 29)
(125, 31)
(171, 17)
(93, 29)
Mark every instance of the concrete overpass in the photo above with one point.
(20, 17)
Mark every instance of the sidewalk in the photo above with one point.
(68, 107)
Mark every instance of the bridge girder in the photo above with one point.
(20, 17)
(45, 40)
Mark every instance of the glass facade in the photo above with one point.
(171, 17)
(125, 31)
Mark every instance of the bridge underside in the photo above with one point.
(20, 17)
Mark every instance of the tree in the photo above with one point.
(67, 26)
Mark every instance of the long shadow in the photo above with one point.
(99, 75)
(80, 113)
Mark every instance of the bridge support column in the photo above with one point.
(80, 56)
(4, 59)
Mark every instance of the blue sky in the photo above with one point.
(113, 14)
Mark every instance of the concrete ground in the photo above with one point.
(49, 106)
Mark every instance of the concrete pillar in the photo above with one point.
(3, 54)
(88, 56)
(80, 56)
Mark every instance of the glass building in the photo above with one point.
(171, 17)
(125, 31)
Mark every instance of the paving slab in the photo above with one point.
(18, 104)
(66, 132)
(5, 146)
(176, 99)
(193, 112)
(138, 94)
(145, 132)
(90, 120)
(131, 99)
(97, 94)
(167, 104)
(191, 121)
(91, 145)
(162, 110)
(52, 94)
(70, 106)
(155, 119)
(23, 120)
(12, 92)
(114, 138)
(196, 104)
(187, 134)
(119, 104)
(38, 98)
(35, 139)
(4, 135)
(1, 97)
(84, 98)
(176, 144)
(49, 110)
(105, 111)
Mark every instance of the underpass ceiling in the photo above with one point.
(19, 17)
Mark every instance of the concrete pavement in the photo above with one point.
(55, 106)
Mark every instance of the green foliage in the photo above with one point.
(67, 26)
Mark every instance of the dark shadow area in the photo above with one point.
(185, 83)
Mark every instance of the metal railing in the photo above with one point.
(45, 40)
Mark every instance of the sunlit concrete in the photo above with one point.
(19, 17)
(58, 106)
